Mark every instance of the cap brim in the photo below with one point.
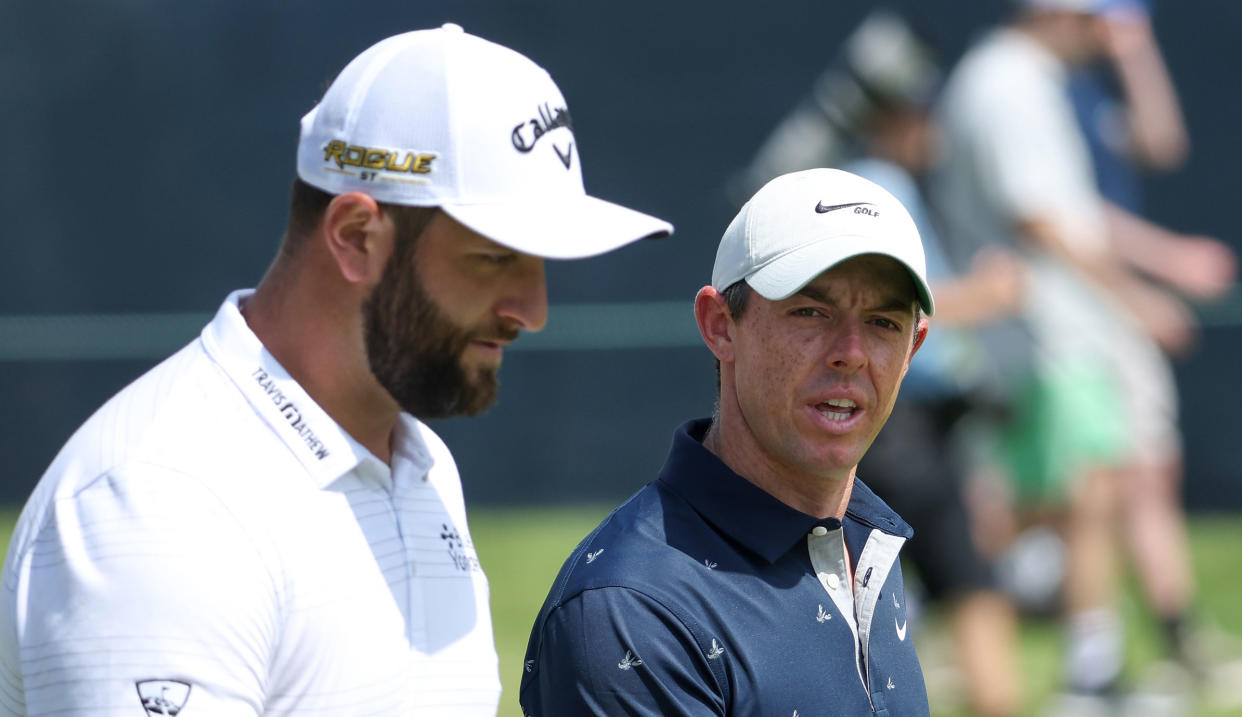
(559, 228)
(786, 275)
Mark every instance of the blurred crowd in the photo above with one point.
(1035, 446)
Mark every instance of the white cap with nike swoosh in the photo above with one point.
(441, 118)
(801, 224)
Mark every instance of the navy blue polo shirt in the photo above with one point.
(704, 595)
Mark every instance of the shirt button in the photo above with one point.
(833, 581)
(819, 530)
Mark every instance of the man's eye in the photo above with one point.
(498, 258)
(807, 311)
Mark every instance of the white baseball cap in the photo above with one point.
(799, 225)
(443, 118)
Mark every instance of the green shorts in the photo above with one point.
(1064, 421)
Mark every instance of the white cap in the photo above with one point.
(799, 225)
(443, 118)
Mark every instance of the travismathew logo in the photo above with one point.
(291, 413)
(548, 119)
(163, 697)
(859, 208)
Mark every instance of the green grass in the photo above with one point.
(522, 550)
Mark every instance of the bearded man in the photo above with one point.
(263, 524)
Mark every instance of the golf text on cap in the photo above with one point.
(859, 208)
(376, 158)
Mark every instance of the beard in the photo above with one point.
(415, 350)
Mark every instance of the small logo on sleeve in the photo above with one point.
(163, 697)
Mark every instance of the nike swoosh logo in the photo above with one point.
(901, 629)
(821, 208)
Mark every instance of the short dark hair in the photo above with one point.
(307, 205)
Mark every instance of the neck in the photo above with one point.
(822, 496)
(313, 327)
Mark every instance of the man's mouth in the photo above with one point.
(837, 409)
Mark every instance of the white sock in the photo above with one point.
(1094, 650)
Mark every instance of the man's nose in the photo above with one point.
(525, 305)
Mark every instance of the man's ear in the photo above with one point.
(920, 335)
(358, 236)
(711, 312)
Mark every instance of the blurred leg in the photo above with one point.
(985, 627)
(1156, 528)
(1095, 656)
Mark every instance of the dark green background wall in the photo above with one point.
(148, 147)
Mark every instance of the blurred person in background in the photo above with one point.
(263, 524)
(869, 113)
(1091, 391)
(758, 574)
(1131, 119)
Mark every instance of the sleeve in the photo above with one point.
(615, 650)
(140, 591)
(1035, 163)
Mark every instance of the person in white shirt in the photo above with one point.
(262, 524)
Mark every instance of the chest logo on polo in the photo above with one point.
(592, 556)
(163, 697)
(822, 616)
(709, 564)
(460, 550)
(889, 685)
(630, 660)
(716, 650)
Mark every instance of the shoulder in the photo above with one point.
(175, 445)
(632, 548)
(1002, 70)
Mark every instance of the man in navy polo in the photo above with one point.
(757, 575)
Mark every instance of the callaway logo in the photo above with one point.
(547, 120)
(859, 208)
(163, 697)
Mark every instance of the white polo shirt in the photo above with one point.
(211, 542)
(1015, 153)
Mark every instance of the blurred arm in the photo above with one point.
(1158, 132)
(1201, 267)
